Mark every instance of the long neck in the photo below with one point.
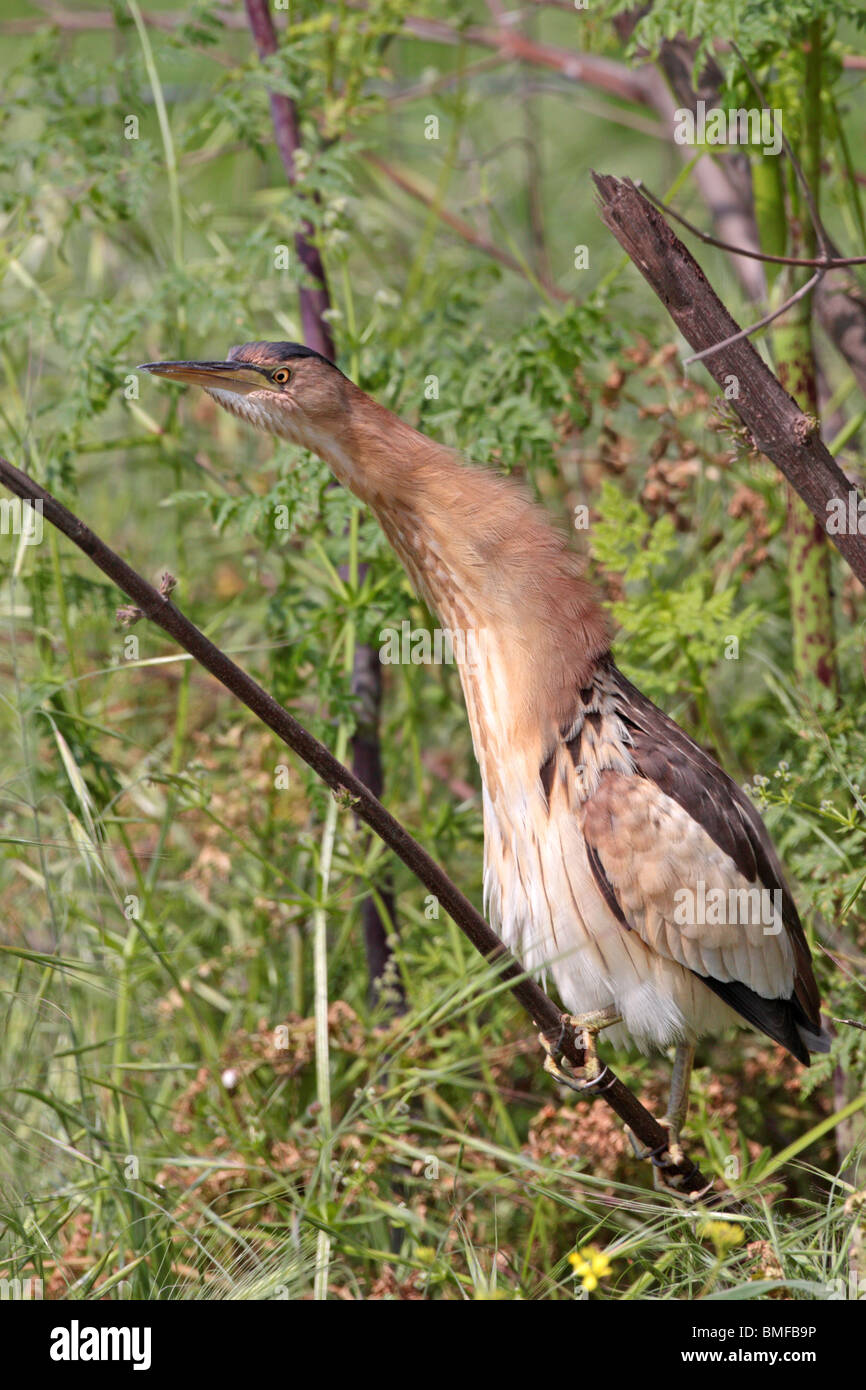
(492, 567)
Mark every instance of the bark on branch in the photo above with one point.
(779, 428)
(547, 1018)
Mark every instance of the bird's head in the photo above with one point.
(291, 391)
(283, 388)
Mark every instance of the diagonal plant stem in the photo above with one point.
(459, 225)
(604, 73)
(349, 789)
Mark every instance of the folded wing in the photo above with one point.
(682, 856)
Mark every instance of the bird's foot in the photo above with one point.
(592, 1073)
(641, 1151)
(668, 1155)
(559, 1067)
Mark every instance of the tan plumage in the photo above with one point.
(598, 810)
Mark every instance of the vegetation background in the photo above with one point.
(168, 875)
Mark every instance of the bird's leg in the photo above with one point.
(675, 1118)
(590, 1025)
(678, 1099)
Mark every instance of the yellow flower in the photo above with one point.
(724, 1235)
(590, 1264)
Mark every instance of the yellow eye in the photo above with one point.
(281, 376)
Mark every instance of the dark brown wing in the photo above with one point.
(666, 756)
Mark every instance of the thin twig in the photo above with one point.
(821, 262)
(604, 73)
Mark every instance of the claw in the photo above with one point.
(675, 1148)
(670, 1154)
(557, 1066)
(640, 1151)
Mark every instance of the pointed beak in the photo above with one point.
(223, 376)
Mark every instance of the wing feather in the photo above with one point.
(679, 819)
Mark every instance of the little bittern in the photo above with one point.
(617, 854)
